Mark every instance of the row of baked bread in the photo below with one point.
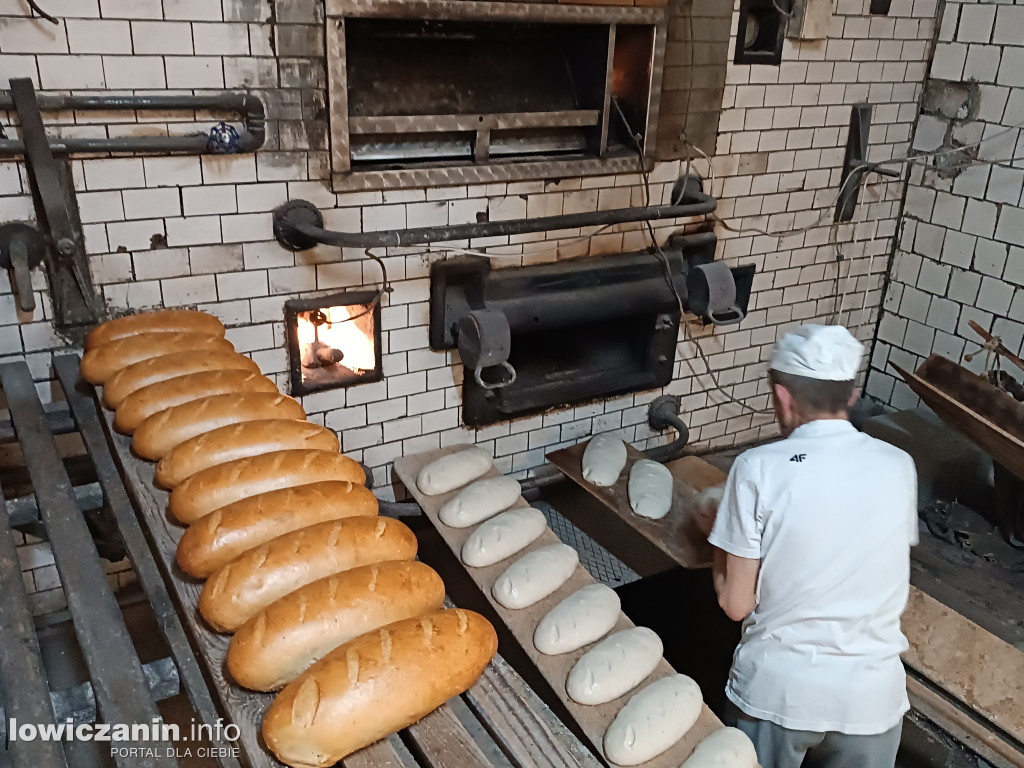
(324, 598)
(656, 716)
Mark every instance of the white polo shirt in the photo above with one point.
(832, 514)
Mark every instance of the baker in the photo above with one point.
(812, 540)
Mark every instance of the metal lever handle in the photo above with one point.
(22, 275)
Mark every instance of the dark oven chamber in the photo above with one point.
(578, 330)
(333, 341)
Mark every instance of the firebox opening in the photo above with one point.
(334, 341)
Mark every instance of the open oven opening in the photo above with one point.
(333, 341)
(456, 91)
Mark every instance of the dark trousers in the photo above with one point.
(779, 747)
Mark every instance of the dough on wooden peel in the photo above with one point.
(502, 536)
(653, 720)
(725, 748)
(479, 500)
(650, 489)
(535, 575)
(603, 460)
(584, 617)
(453, 471)
(615, 666)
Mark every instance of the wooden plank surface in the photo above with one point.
(508, 710)
(965, 660)
(593, 720)
(996, 430)
(675, 534)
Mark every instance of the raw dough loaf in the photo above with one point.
(280, 642)
(603, 460)
(226, 483)
(653, 720)
(650, 489)
(615, 666)
(480, 500)
(725, 748)
(377, 684)
(164, 431)
(100, 364)
(241, 441)
(244, 587)
(502, 536)
(453, 471)
(146, 402)
(156, 369)
(585, 616)
(226, 533)
(535, 575)
(160, 321)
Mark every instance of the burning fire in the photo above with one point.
(341, 339)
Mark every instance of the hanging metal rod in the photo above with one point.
(248, 140)
(298, 225)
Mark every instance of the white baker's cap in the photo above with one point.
(826, 352)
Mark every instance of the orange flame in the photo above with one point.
(341, 333)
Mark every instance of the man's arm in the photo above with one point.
(735, 580)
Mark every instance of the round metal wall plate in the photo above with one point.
(288, 216)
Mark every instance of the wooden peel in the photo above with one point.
(999, 348)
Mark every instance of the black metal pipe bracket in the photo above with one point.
(299, 225)
(221, 139)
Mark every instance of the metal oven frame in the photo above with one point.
(485, 171)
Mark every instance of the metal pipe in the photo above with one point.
(248, 105)
(298, 225)
(673, 450)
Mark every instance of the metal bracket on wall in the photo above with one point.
(74, 298)
(856, 163)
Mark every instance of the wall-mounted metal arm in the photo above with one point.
(250, 107)
(298, 225)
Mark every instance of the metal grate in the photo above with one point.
(601, 563)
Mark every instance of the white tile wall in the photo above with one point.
(777, 169)
(973, 265)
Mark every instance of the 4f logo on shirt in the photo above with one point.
(799, 457)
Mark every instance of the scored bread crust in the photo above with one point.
(377, 684)
(240, 441)
(226, 483)
(163, 431)
(161, 320)
(280, 642)
(226, 533)
(156, 369)
(102, 363)
(236, 592)
(148, 401)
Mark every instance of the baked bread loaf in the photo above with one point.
(377, 684)
(148, 401)
(147, 372)
(226, 533)
(241, 589)
(101, 363)
(239, 441)
(224, 484)
(280, 642)
(160, 321)
(166, 430)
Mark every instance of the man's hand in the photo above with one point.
(706, 508)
